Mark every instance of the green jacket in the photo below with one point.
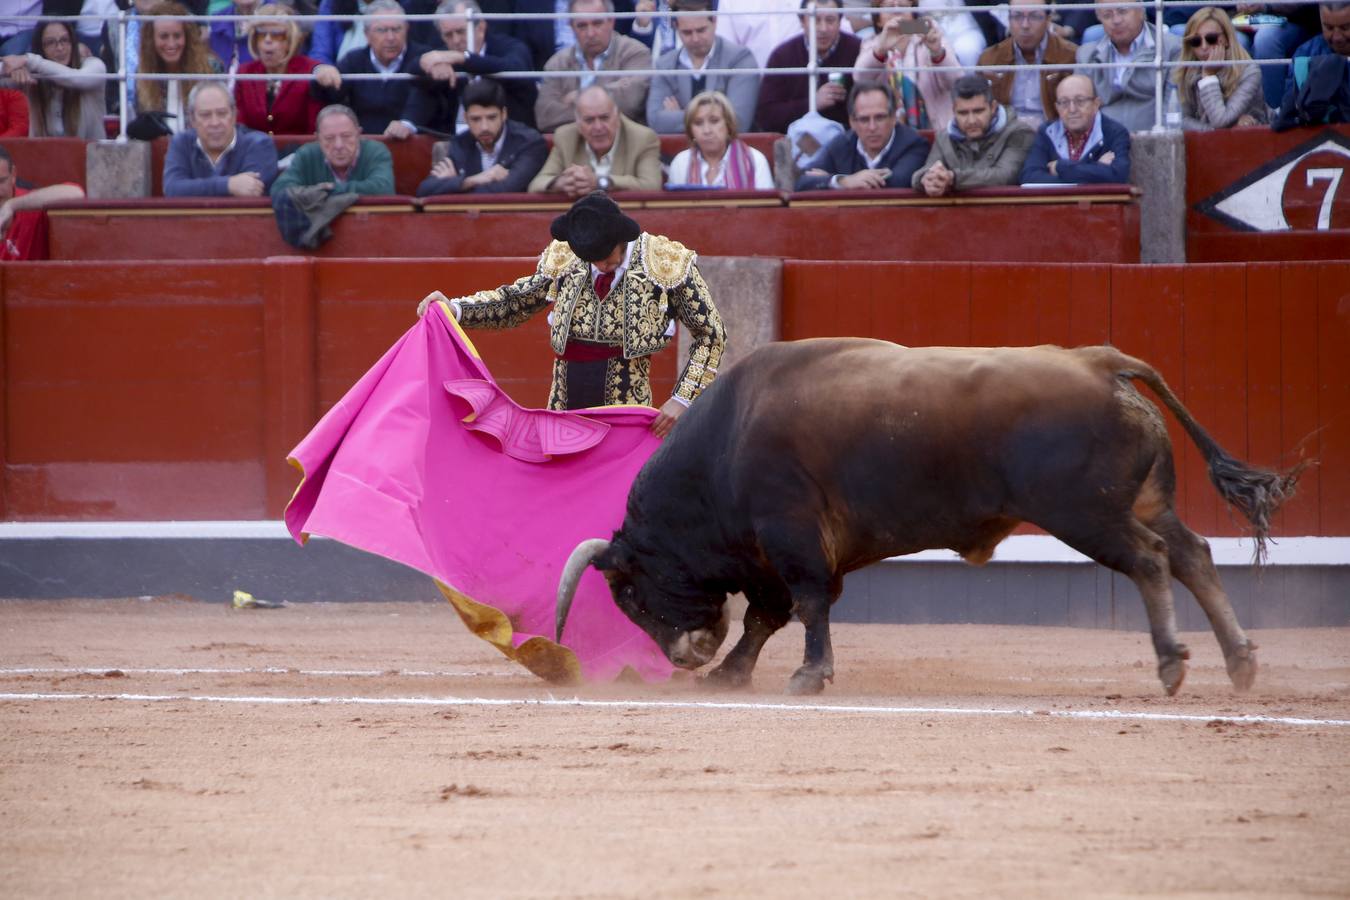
(373, 173)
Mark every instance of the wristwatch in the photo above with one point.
(604, 183)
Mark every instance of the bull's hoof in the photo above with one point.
(1242, 668)
(806, 681)
(1172, 670)
(724, 678)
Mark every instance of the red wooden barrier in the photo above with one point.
(1260, 353)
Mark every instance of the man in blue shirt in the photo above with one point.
(217, 157)
(1083, 145)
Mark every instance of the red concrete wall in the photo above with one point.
(1260, 353)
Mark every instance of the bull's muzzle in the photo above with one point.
(696, 648)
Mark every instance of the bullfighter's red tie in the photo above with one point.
(602, 283)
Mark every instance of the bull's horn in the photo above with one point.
(571, 576)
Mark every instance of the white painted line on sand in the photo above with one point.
(266, 670)
(577, 702)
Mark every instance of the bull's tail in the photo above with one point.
(1256, 492)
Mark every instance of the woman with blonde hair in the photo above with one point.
(171, 46)
(1216, 96)
(716, 158)
(923, 97)
(65, 93)
(276, 107)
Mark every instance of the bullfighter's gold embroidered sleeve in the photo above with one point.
(511, 304)
(694, 308)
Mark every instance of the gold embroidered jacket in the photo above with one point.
(662, 282)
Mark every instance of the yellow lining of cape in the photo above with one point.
(549, 660)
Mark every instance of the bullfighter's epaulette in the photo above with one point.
(556, 259)
(666, 262)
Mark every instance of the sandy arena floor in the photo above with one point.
(379, 777)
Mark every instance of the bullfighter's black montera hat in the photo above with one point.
(594, 226)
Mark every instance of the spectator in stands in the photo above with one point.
(65, 93)
(701, 49)
(169, 46)
(216, 157)
(335, 39)
(901, 59)
(960, 30)
(1217, 96)
(602, 150)
(230, 40)
(773, 22)
(1031, 94)
(23, 224)
(93, 28)
(1128, 95)
(340, 158)
(13, 113)
(382, 105)
(1280, 41)
(434, 99)
(876, 152)
(1083, 145)
(984, 146)
(16, 35)
(656, 30)
(276, 107)
(716, 157)
(597, 49)
(783, 98)
(1333, 41)
(496, 154)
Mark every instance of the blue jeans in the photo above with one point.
(1276, 42)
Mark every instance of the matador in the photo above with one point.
(616, 293)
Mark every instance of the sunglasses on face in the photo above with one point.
(1195, 40)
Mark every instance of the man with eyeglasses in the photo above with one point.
(1082, 146)
(1028, 93)
(1128, 94)
(875, 153)
(381, 104)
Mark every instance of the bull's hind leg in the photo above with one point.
(763, 617)
(1193, 566)
(1141, 555)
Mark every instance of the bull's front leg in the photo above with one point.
(735, 670)
(818, 659)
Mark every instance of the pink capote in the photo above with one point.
(426, 461)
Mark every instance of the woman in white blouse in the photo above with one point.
(716, 158)
(65, 93)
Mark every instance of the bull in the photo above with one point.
(813, 458)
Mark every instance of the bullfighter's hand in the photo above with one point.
(1107, 158)
(671, 410)
(444, 169)
(433, 297)
(327, 76)
(245, 184)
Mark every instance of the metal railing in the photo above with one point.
(1161, 67)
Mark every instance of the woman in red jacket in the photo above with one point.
(276, 107)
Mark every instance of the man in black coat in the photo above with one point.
(434, 100)
(381, 105)
(874, 153)
(495, 155)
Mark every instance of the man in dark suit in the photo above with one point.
(874, 153)
(435, 101)
(381, 104)
(496, 154)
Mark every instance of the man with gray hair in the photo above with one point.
(597, 53)
(471, 50)
(1128, 94)
(381, 104)
(216, 156)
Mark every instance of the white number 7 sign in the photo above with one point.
(1334, 177)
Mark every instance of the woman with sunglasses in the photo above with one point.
(276, 107)
(1216, 95)
(65, 93)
